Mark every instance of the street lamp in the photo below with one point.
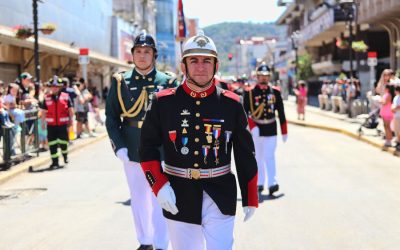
(295, 37)
(24, 32)
(347, 7)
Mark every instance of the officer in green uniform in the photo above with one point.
(129, 96)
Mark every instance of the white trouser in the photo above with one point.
(265, 155)
(150, 224)
(215, 233)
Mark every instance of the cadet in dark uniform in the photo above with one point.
(261, 103)
(58, 112)
(198, 124)
(130, 94)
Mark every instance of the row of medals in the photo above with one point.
(270, 102)
(211, 131)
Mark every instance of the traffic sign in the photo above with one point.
(83, 51)
(83, 60)
(372, 54)
(372, 61)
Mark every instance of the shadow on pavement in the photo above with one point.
(40, 170)
(263, 197)
(125, 203)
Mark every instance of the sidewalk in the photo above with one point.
(44, 157)
(327, 120)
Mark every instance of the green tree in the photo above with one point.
(304, 69)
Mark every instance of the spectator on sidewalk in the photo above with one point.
(82, 108)
(105, 93)
(386, 113)
(27, 92)
(11, 104)
(396, 112)
(301, 93)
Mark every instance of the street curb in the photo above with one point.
(342, 131)
(41, 160)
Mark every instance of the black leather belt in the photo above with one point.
(133, 123)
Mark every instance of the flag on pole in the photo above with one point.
(181, 32)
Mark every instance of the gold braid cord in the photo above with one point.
(137, 106)
(259, 111)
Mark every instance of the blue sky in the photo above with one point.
(217, 11)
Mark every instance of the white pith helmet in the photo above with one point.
(199, 45)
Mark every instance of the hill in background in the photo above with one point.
(226, 34)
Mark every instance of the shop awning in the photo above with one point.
(7, 36)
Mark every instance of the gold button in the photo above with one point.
(197, 114)
(196, 165)
(198, 102)
(196, 139)
(197, 127)
(196, 152)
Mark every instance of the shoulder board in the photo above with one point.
(231, 95)
(248, 87)
(165, 92)
(118, 75)
(277, 88)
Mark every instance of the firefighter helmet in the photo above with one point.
(199, 45)
(263, 70)
(55, 81)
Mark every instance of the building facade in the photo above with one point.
(79, 24)
(324, 33)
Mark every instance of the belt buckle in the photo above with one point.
(194, 173)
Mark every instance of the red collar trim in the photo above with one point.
(262, 86)
(196, 94)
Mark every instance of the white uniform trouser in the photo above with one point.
(215, 233)
(265, 155)
(150, 224)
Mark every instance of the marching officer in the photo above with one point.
(130, 94)
(58, 112)
(262, 102)
(198, 124)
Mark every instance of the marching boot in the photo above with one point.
(273, 189)
(145, 247)
(65, 156)
(54, 164)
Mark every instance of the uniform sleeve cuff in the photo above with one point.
(153, 174)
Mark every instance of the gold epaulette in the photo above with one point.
(137, 106)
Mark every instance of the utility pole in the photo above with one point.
(36, 46)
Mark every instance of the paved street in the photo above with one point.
(337, 193)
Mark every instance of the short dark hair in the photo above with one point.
(81, 80)
(397, 88)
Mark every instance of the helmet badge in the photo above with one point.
(201, 41)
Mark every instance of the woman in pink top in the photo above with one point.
(301, 94)
(387, 114)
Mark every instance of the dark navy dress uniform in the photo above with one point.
(268, 100)
(262, 103)
(198, 132)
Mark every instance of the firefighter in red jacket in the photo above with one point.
(57, 111)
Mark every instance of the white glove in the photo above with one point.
(122, 154)
(248, 212)
(166, 198)
(284, 138)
